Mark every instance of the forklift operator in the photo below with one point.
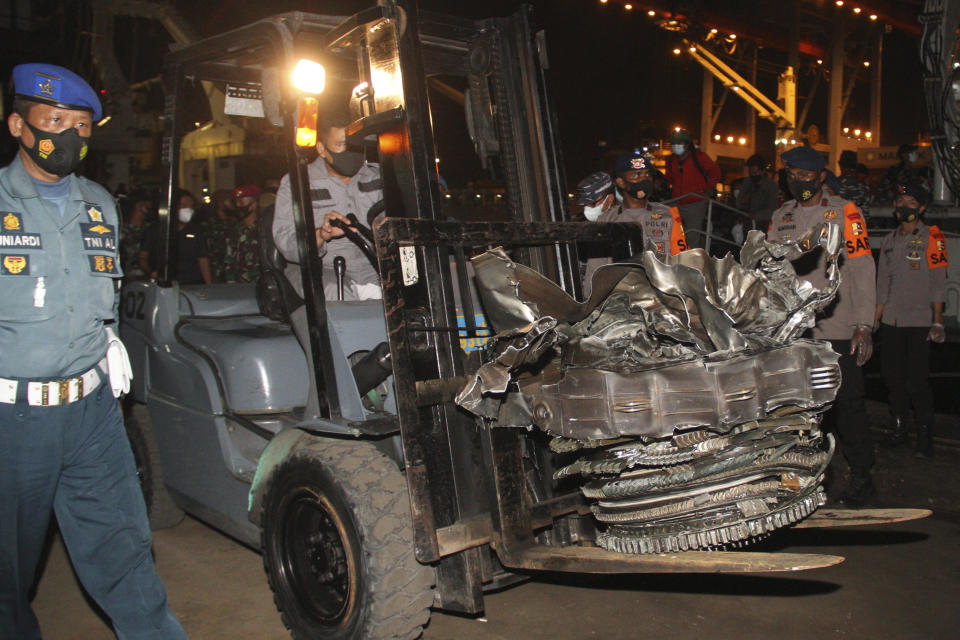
(341, 182)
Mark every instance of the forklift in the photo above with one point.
(395, 500)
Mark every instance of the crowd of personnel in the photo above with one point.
(217, 242)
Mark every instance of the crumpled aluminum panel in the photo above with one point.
(659, 346)
(597, 404)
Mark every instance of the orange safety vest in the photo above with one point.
(678, 239)
(855, 232)
(936, 249)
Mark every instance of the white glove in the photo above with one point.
(936, 334)
(118, 364)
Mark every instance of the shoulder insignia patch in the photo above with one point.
(830, 215)
(95, 214)
(12, 222)
(103, 264)
(15, 265)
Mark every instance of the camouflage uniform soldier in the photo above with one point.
(218, 228)
(131, 235)
(851, 187)
(242, 259)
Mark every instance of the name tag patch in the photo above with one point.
(14, 265)
(21, 240)
(103, 264)
(98, 235)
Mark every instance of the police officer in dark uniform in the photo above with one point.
(911, 292)
(847, 322)
(63, 447)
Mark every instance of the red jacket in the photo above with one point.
(688, 178)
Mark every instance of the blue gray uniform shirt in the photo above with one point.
(330, 194)
(57, 276)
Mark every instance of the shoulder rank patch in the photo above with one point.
(103, 264)
(854, 232)
(14, 265)
(937, 249)
(12, 222)
(95, 214)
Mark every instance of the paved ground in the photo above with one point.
(898, 581)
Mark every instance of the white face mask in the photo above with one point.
(592, 213)
(678, 149)
(912, 156)
(185, 215)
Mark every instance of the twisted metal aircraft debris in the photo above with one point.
(681, 392)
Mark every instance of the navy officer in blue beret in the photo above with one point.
(63, 447)
(847, 322)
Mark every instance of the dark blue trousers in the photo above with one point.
(905, 363)
(848, 417)
(75, 460)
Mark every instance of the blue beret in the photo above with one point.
(56, 86)
(916, 189)
(593, 187)
(635, 161)
(805, 158)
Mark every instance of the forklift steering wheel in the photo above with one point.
(362, 237)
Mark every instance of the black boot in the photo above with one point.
(860, 490)
(898, 433)
(924, 447)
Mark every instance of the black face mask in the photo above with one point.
(56, 153)
(346, 163)
(639, 190)
(906, 214)
(757, 178)
(804, 190)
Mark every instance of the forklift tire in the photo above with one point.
(162, 512)
(338, 549)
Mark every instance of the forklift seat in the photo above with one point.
(276, 297)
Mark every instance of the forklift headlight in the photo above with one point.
(307, 110)
(309, 76)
